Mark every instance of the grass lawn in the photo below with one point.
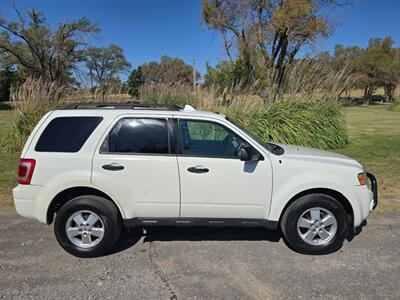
(374, 141)
(8, 163)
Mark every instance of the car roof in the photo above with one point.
(115, 109)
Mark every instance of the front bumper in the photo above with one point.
(364, 200)
(374, 189)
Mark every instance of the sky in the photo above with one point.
(146, 30)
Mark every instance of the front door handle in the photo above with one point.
(198, 169)
(113, 167)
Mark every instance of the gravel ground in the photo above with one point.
(199, 263)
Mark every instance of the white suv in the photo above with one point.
(101, 167)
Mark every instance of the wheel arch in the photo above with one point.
(67, 194)
(330, 192)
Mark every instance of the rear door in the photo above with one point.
(136, 166)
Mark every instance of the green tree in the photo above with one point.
(8, 78)
(105, 64)
(227, 74)
(268, 34)
(169, 70)
(380, 66)
(135, 81)
(42, 52)
(377, 65)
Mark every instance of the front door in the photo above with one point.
(215, 183)
(136, 167)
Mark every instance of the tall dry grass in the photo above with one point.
(205, 98)
(37, 91)
(31, 101)
(308, 113)
(35, 97)
(309, 80)
(294, 119)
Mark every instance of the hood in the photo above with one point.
(317, 155)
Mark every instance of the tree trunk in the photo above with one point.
(389, 92)
(367, 94)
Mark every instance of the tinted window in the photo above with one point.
(139, 136)
(202, 138)
(67, 134)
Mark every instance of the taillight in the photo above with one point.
(25, 170)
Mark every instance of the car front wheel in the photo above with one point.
(315, 224)
(87, 226)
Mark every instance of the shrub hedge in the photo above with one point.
(312, 124)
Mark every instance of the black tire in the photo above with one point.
(293, 213)
(104, 209)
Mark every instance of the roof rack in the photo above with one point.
(128, 105)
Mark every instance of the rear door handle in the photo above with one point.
(198, 169)
(113, 167)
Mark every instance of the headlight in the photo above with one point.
(362, 178)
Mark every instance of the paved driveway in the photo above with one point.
(202, 263)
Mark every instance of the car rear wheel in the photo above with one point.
(87, 226)
(315, 224)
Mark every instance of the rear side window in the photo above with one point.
(67, 134)
(139, 136)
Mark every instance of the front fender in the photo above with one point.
(288, 189)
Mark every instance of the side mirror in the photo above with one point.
(244, 155)
(248, 153)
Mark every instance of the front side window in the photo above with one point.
(203, 138)
(67, 134)
(138, 136)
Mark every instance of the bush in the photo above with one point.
(396, 105)
(19, 130)
(312, 124)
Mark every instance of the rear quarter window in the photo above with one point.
(67, 134)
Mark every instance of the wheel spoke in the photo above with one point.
(310, 235)
(92, 219)
(315, 214)
(305, 223)
(324, 234)
(86, 239)
(72, 232)
(98, 232)
(328, 220)
(79, 219)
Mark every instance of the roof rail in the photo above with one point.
(127, 105)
